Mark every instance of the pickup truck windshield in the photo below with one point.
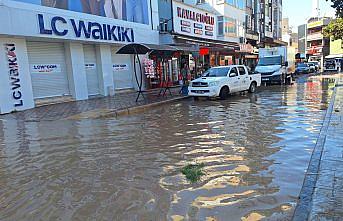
(216, 72)
(266, 61)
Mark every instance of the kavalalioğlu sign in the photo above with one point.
(14, 75)
(195, 16)
(45, 68)
(193, 21)
(98, 31)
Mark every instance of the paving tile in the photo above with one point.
(327, 196)
(64, 110)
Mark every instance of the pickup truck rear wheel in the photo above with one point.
(252, 88)
(224, 93)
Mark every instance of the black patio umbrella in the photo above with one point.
(140, 49)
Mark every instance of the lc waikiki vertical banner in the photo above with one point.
(127, 10)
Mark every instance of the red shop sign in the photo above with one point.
(204, 51)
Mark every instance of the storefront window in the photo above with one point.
(231, 2)
(220, 25)
(127, 10)
(230, 28)
(227, 26)
(267, 10)
(249, 3)
(175, 69)
(241, 4)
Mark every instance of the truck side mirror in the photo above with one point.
(286, 63)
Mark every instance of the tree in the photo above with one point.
(338, 5)
(334, 29)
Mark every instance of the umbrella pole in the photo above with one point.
(141, 80)
(139, 84)
(135, 71)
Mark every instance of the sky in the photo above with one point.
(298, 10)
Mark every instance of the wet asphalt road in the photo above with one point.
(255, 147)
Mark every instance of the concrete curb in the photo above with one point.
(304, 204)
(103, 113)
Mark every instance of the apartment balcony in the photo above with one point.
(314, 36)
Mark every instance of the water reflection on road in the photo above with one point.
(255, 148)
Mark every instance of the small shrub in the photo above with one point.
(193, 172)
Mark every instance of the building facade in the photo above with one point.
(269, 17)
(277, 19)
(302, 42)
(208, 37)
(318, 46)
(336, 47)
(68, 48)
(252, 22)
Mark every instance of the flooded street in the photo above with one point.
(255, 148)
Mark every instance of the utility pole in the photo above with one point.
(315, 8)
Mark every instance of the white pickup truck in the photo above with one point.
(224, 80)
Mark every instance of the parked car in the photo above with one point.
(333, 63)
(224, 80)
(302, 68)
(316, 64)
(312, 67)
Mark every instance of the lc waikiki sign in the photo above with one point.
(90, 30)
(193, 21)
(14, 75)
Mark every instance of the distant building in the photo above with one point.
(302, 33)
(285, 26)
(294, 41)
(288, 35)
(318, 47)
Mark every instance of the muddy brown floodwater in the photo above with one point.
(255, 147)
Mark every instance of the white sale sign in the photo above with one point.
(46, 68)
(89, 66)
(120, 67)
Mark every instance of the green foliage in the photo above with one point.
(193, 172)
(334, 29)
(338, 5)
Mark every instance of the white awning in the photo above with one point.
(335, 56)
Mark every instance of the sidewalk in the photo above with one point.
(321, 197)
(119, 104)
